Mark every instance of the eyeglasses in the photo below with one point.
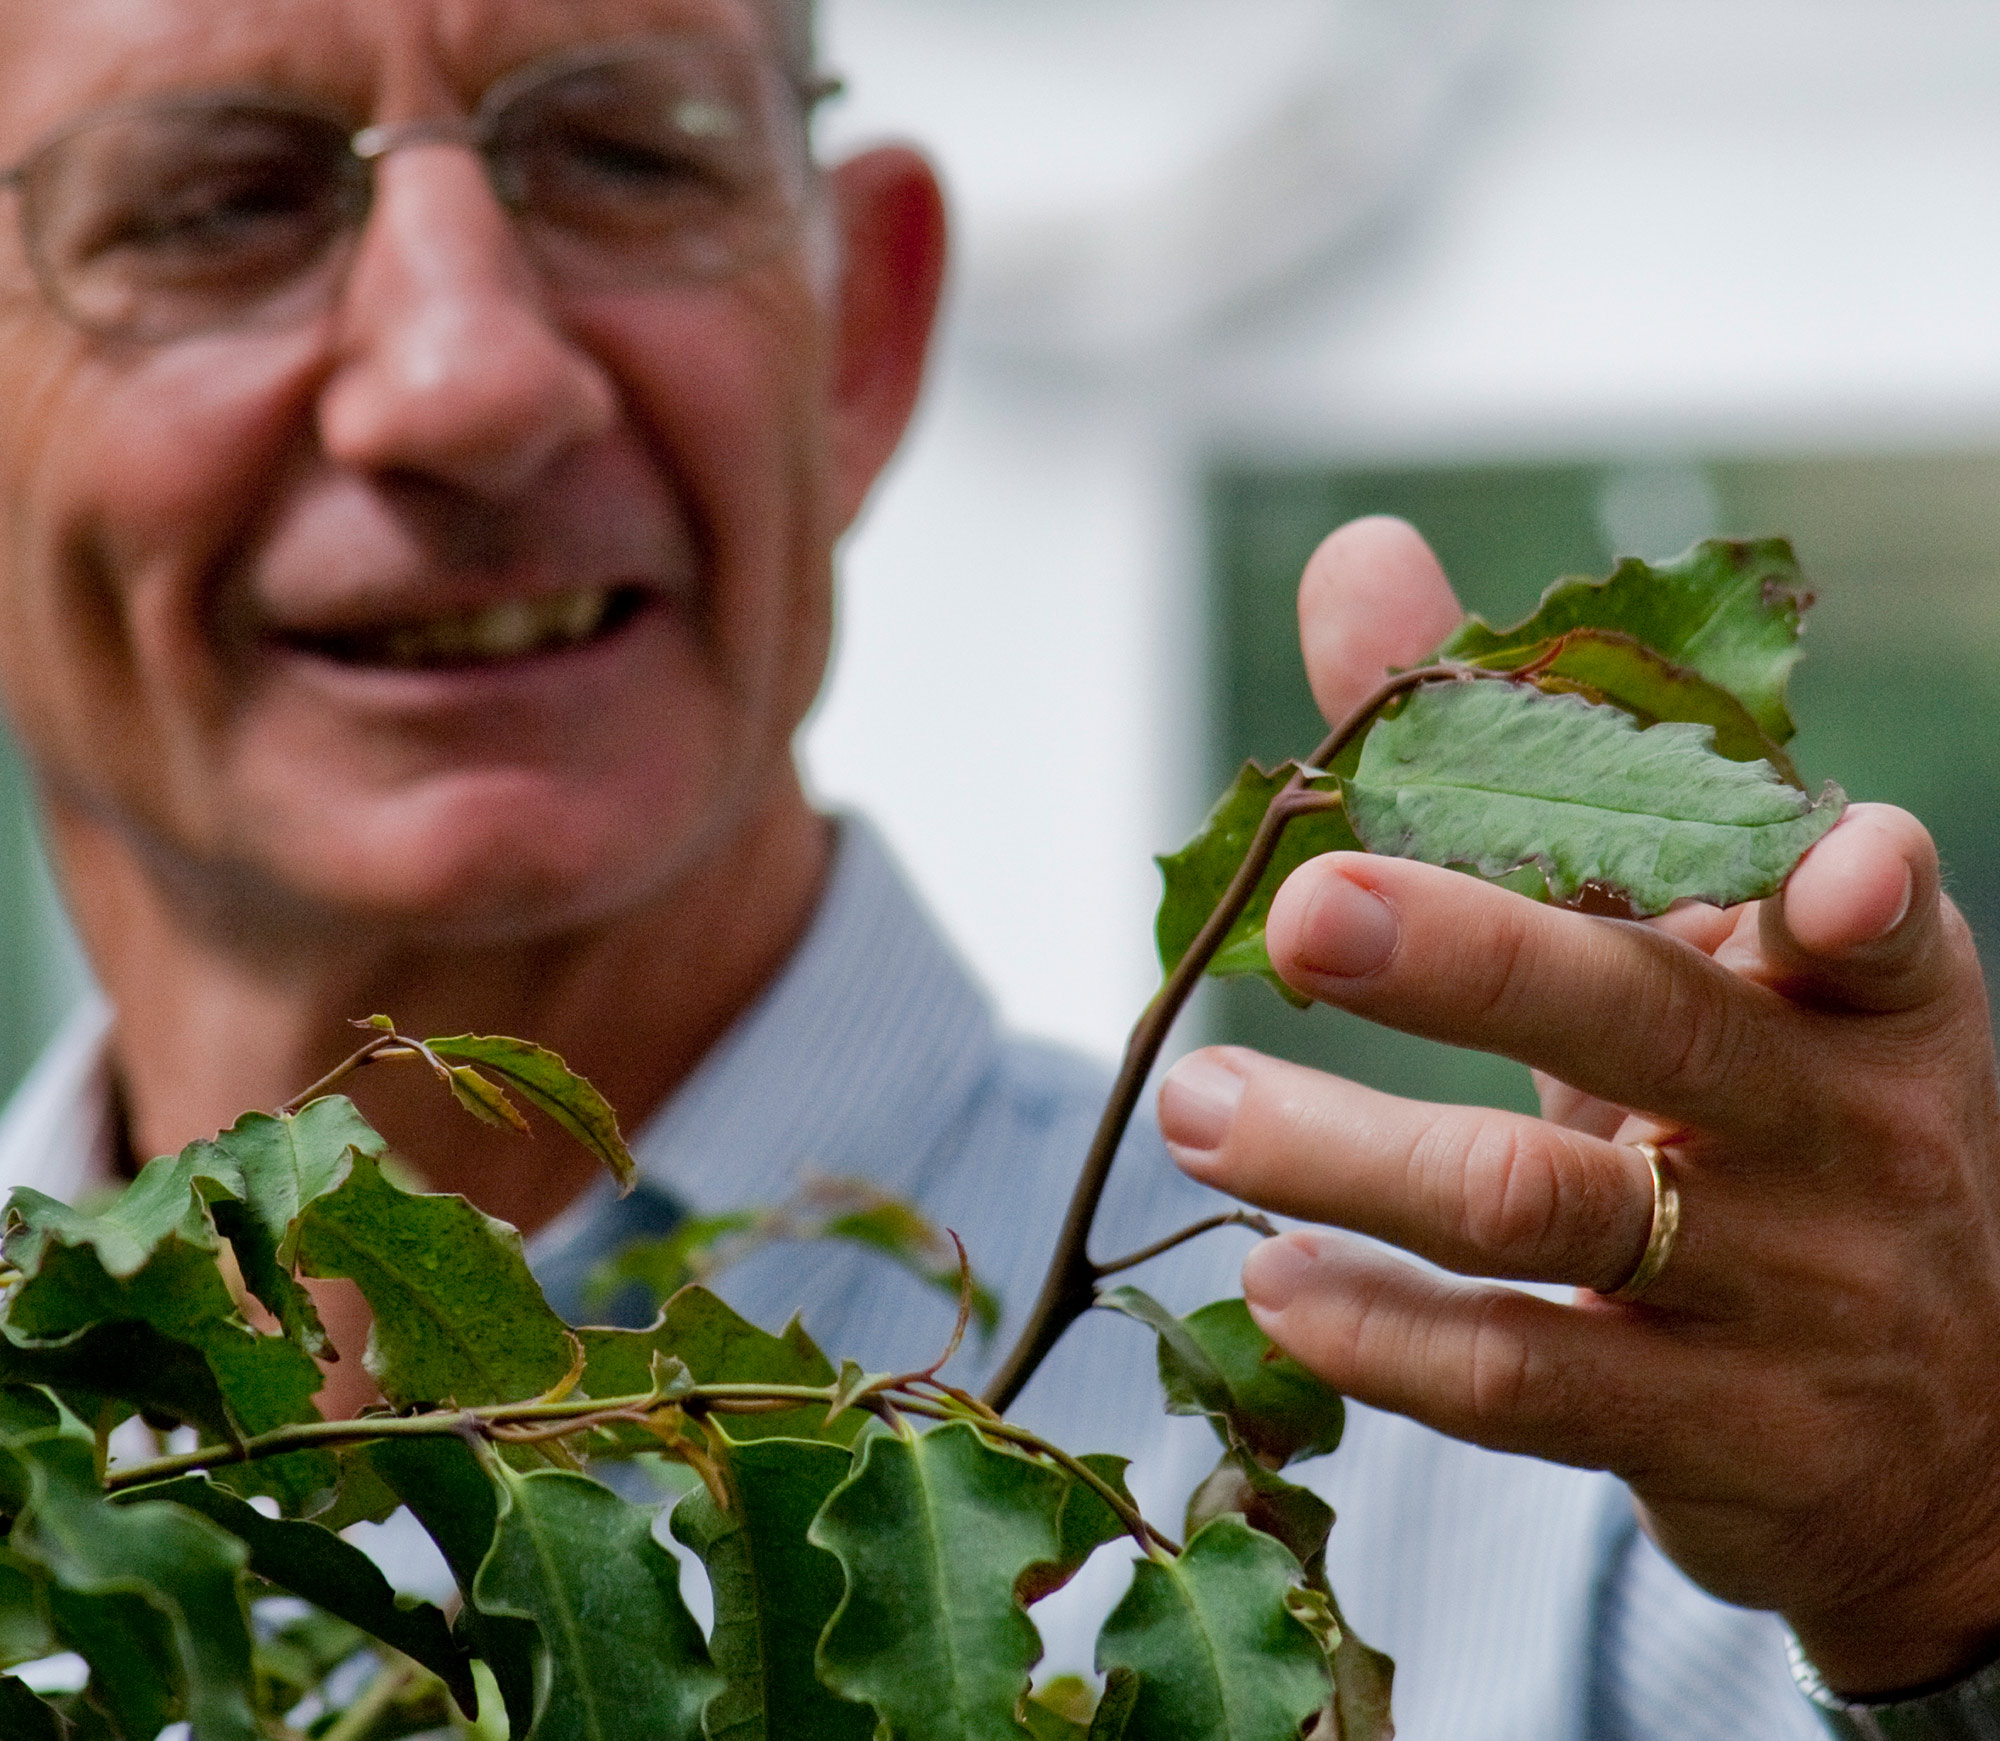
(626, 166)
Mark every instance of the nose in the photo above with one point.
(449, 365)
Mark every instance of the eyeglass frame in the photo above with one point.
(369, 145)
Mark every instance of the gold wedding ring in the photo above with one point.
(1665, 1229)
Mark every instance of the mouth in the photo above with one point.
(501, 633)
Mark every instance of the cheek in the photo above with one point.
(727, 391)
(125, 487)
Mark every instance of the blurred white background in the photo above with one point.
(1344, 231)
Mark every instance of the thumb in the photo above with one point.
(1863, 922)
(1373, 597)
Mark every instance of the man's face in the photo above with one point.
(475, 606)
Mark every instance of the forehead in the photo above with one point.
(372, 57)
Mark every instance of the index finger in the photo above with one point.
(1619, 1010)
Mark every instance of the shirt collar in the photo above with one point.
(58, 1131)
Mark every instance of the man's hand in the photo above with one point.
(1807, 1401)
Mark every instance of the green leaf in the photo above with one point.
(314, 1563)
(1302, 1521)
(129, 1645)
(1061, 1709)
(850, 1211)
(1114, 1709)
(1085, 1525)
(1362, 1678)
(1242, 1487)
(486, 1100)
(458, 1316)
(25, 1717)
(698, 1247)
(1604, 666)
(1216, 1362)
(717, 1347)
(103, 1291)
(359, 1494)
(454, 1495)
(259, 1175)
(544, 1080)
(109, 1371)
(934, 1534)
(150, 1559)
(897, 1231)
(1497, 775)
(1045, 1724)
(1218, 1654)
(1198, 875)
(24, 1627)
(774, 1592)
(1727, 611)
(621, 1658)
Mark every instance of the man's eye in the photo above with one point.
(219, 216)
(612, 166)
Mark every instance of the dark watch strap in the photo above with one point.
(1967, 1711)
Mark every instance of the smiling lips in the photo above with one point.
(491, 634)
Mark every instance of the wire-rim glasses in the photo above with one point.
(626, 166)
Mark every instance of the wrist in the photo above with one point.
(1915, 1636)
(1880, 1666)
(1966, 1710)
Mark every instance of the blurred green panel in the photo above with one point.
(40, 974)
(1900, 692)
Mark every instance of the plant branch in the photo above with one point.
(1159, 1248)
(1071, 1284)
(1069, 1288)
(360, 1718)
(584, 1413)
(383, 1046)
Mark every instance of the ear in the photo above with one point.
(891, 220)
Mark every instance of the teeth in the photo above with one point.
(504, 631)
(507, 630)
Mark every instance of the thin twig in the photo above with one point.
(966, 1290)
(475, 1423)
(1069, 1286)
(362, 1716)
(1159, 1248)
(382, 1047)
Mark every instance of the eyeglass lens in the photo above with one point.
(632, 167)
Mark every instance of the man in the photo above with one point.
(416, 566)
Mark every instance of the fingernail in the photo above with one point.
(1272, 1274)
(1349, 932)
(1909, 895)
(1198, 1102)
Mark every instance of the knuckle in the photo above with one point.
(1510, 1199)
(1496, 977)
(1702, 1035)
(1501, 1375)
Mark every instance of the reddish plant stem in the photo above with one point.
(1159, 1248)
(383, 1046)
(1070, 1287)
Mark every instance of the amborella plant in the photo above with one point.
(875, 1542)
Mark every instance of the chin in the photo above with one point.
(491, 859)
